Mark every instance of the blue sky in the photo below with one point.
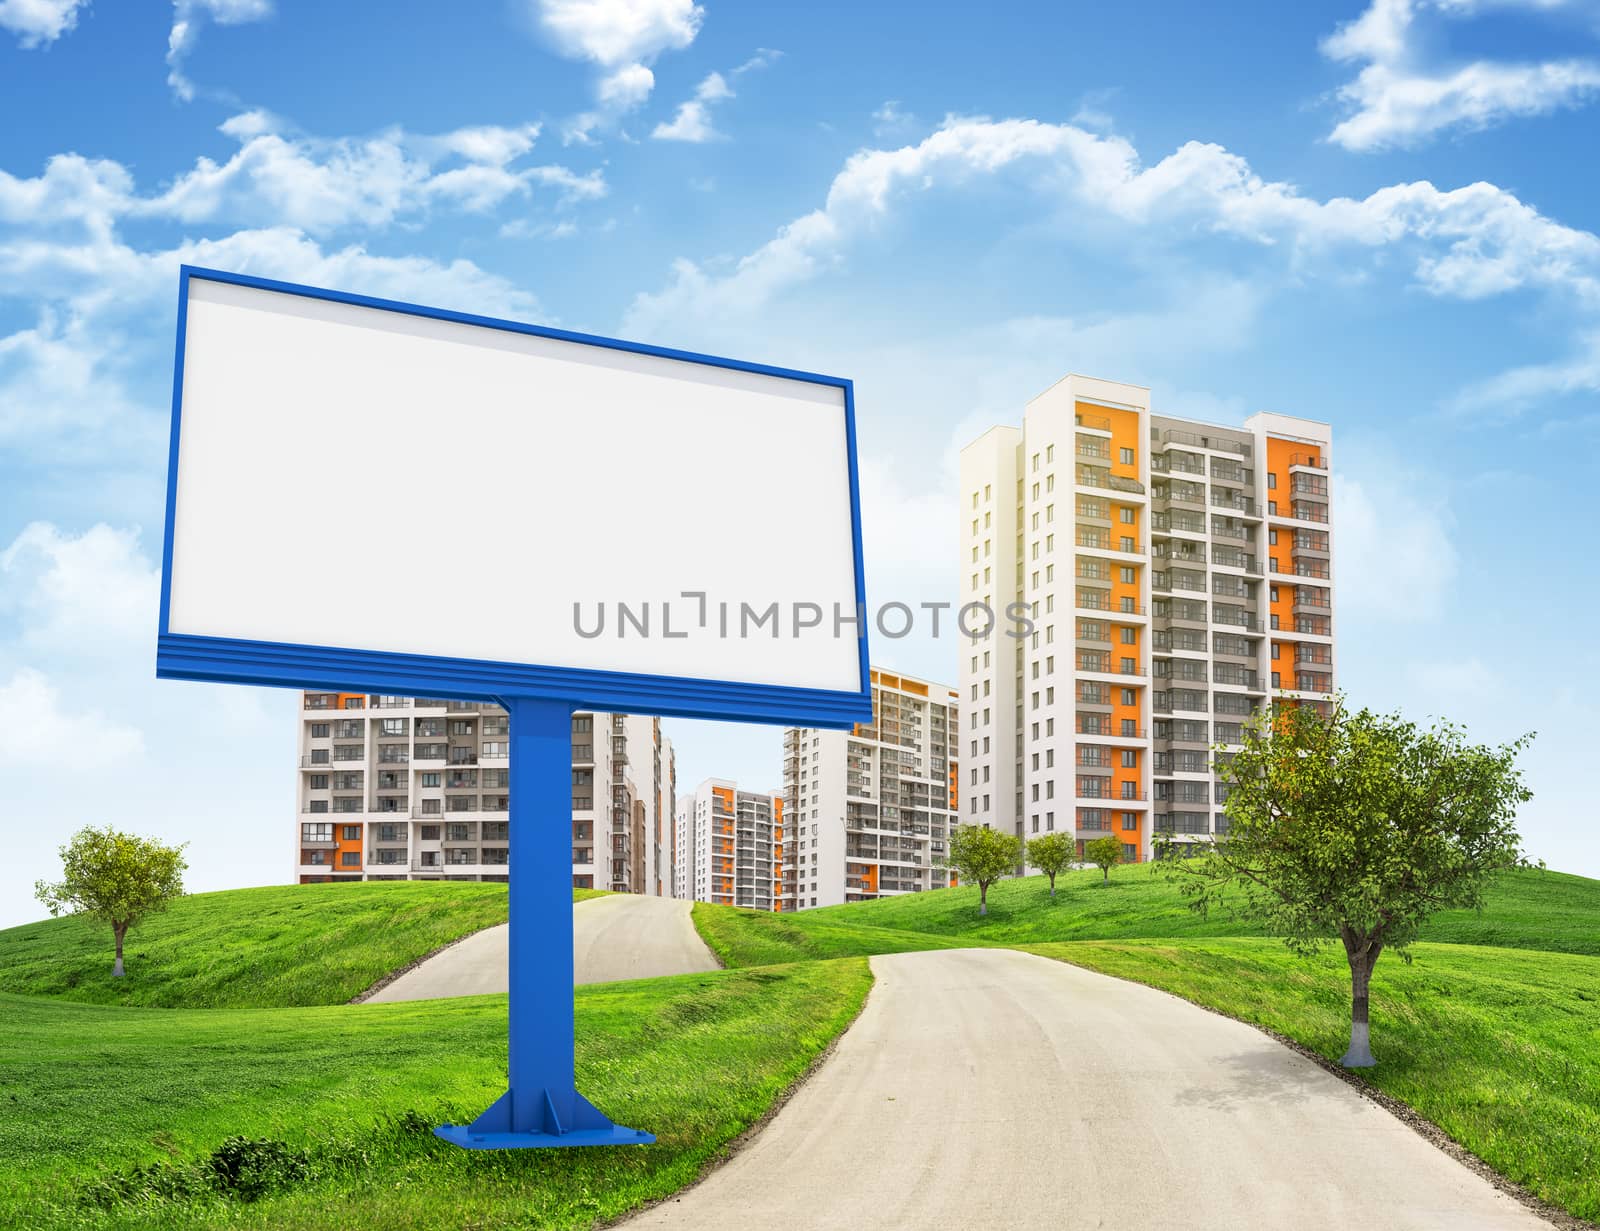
(1378, 214)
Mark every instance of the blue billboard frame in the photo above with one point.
(182, 656)
(541, 1107)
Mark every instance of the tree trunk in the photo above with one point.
(1105, 875)
(1052, 886)
(983, 897)
(119, 930)
(1362, 953)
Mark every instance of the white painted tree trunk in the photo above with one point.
(1362, 959)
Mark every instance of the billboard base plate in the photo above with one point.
(467, 1138)
(507, 1126)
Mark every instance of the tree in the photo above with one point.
(1356, 826)
(1051, 854)
(1105, 853)
(983, 855)
(116, 877)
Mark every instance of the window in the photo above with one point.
(1130, 697)
(1130, 820)
(319, 782)
(350, 833)
(1130, 758)
(1272, 538)
(1130, 852)
(1275, 682)
(1272, 481)
(1125, 456)
(319, 730)
(1130, 575)
(349, 859)
(316, 832)
(1125, 515)
(1130, 636)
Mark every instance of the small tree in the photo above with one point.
(116, 877)
(1105, 853)
(1358, 826)
(1051, 854)
(983, 855)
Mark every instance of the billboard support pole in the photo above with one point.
(541, 1107)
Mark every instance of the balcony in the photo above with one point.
(1308, 461)
(1196, 441)
(1089, 478)
(1192, 494)
(1239, 504)
(1094, 423)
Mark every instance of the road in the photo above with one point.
(618, 936)
(995, 1089)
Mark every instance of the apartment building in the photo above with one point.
(735, 849)
(418, 788)
(1175, 575)
(870, 810)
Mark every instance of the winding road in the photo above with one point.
(995, 1089)
(618, 936)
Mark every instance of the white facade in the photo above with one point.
(869, 811)
(736, 839)
(1135, 545)
(416, 788)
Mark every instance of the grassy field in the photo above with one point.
(1500, 1048)
(743, 938)
(290, 945)
(240, 1115)
(114, 1117)
(1526, 909)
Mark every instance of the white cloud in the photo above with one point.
(1468, 242)
(1394, 561)
(693, 119)
(1515, 391)
(61, 393)
(892, 120)
(621, 37)
(1396, 100)
(189, 16)
(38, 22)
(40, 734)
(314, 184)
(86, 596)
(613, 32)
(765, 57)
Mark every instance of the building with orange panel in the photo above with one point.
(731, 845)
(1137, 548)
(418, 788)
(869, 811)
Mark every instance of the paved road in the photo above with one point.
(619, 936)
(987, 1088)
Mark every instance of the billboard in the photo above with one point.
(378, 496)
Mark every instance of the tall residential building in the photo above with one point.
(870, 810)
(734, 856)
(418, 788)
(1176, 574)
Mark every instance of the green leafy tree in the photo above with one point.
(1356, 826)
(116, 877)
(983, 856)
(1105, 853)
(1051, 854)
